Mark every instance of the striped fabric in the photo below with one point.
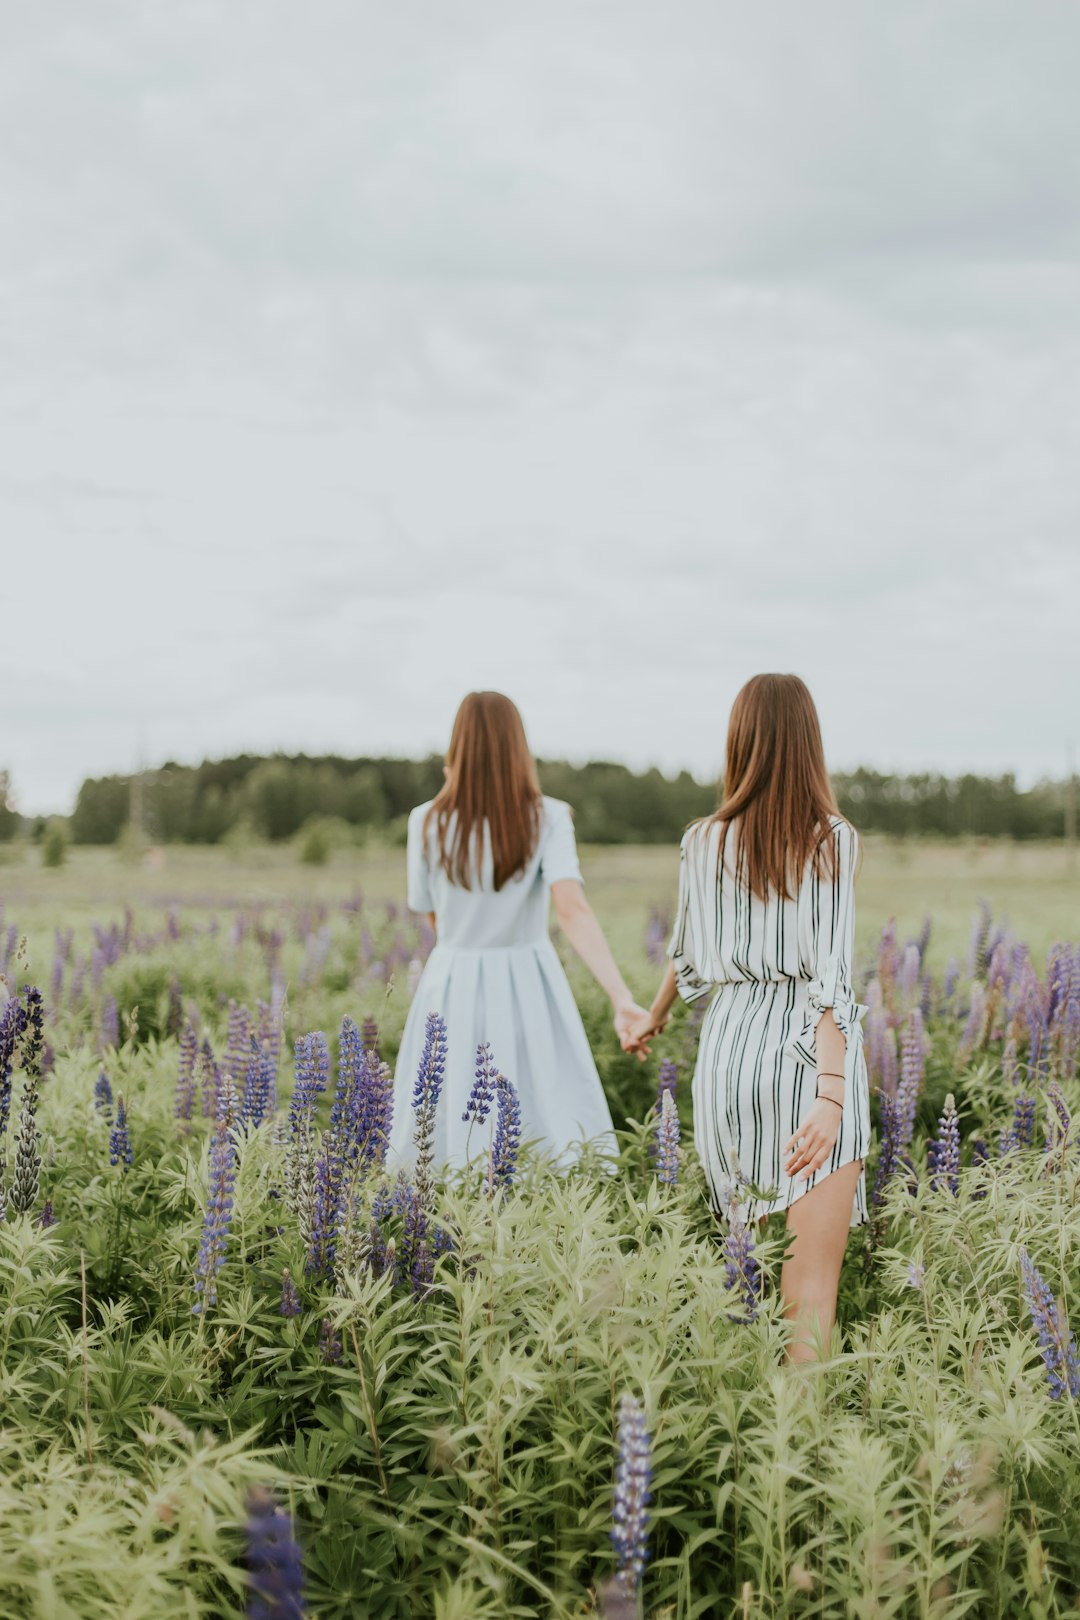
(772, 967)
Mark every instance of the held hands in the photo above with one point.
(813, 1141)
(636, 1028)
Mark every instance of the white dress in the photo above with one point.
(495, 976)
(772, 967)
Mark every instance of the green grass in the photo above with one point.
(456, 1463)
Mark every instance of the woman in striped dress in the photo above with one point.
(764, 927)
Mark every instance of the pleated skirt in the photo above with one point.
(750, 1093)
(518, 999)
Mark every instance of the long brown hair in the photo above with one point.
(491, 777)
(776, 785)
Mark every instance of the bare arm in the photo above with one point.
(578, 922)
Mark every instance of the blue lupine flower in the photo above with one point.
(12, 1021)
(110, 1024)
(1023, 1121)
(103, 1094)
(322, 1232)
(1038, 1041)
(47, 1218)
(507, 1141)
(667, 1141)
(120, 1138)
(374, 1110)
(630, 1504)
(237, 1041)
(741, 1270)
(668, 1080)
(425, 1100)
(482, 1094)
(312, 1074)
(329, 1344)
(1058, 1344)
(184, 1105)
(951, 980)
(943, 1154)
(912, 1073)
(26, 1174)
(276, 1569)
(257, 1104)
(889, 1154)
(290, 1299)
(217, 1219)
(209, 1080)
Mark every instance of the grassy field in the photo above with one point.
(1033, 888)
(210, 1290)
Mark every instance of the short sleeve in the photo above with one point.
(418, 874)
(683, 946)
(558, 854)
(831, 947)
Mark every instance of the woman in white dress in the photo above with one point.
(765, 926)
(484, 858)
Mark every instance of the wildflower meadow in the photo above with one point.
(248, 1368)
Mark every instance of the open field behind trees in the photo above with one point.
(1035, 887)
(211, 1285)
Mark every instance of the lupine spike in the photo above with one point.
(944, 1153)
(1058, 1345)
(120, 1138)
(290, 1299)
(667, 1141)
(631, 1497)
(741, 1270)
(482, 1094)
(275, 1565)
(506, 1143)
(217, 1219)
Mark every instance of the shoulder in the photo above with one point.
(417, 817)
(845, 839)
(555, 811)
(697, 836)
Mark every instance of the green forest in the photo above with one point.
(274, 798)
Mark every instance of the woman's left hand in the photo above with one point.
(629, 1022)
(813, 1141)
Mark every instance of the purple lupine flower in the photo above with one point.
(657, 931)
(109, 1032)
(343, 1110)
(1038, 1041)
(120, 1138)
(912, 1073)
(888, 961)
(209, 1079)
(329, 1344)
(47, 1218)
(502, 1164)
(325, 1208)
(1057, 1343)
(12, 1021)
(103, 1094)
(370, 1033)
(237, 1040)
(217, 1220)
(275, 1565)
(630, 1504)
(1024, 1120)
(667, 1080)
(375, 1110)
(26, 1174)
(1058, 1121)
(184, 1105)
(974, 1032)
(258, 1101)
(922, 939)
(312, 1075)
(741, 1270)
(482, 1094)
(943, 1154)
(951, 980)
(290, 1299)
(425, 1100)
(1010, 1069)
(907, 982)
(889, 1155)
(667, 1141)
(980, 934)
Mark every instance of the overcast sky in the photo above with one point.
(353, 355)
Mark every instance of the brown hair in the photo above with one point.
(776, 785)
(491, 778)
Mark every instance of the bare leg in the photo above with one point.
(819, 1223)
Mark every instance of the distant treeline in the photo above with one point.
(275, 797)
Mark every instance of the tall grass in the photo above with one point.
(444, 1435)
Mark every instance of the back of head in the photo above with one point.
(776, 787)
(490, 780)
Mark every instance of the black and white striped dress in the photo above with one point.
(772, 967)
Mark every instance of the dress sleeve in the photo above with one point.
(418, 876)
(683, 947)
(559, 857)
(832, 942)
